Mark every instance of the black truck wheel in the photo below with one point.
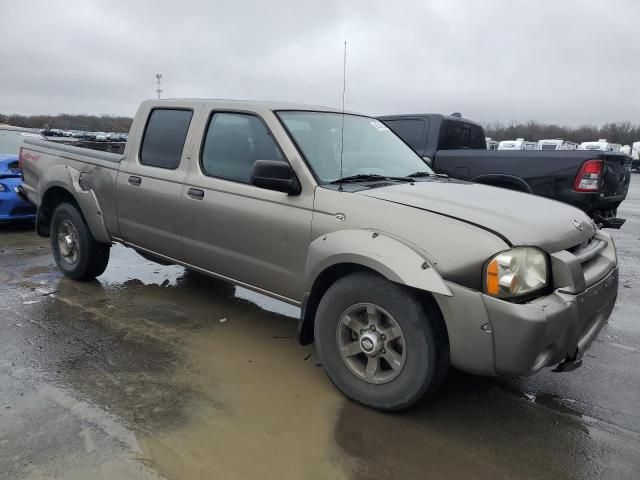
(75, 251)
(378, 343)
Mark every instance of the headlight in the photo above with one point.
(516, 272)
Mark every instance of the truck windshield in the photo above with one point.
(370, 148)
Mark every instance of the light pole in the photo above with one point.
(159, 81)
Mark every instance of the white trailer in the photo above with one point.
(517, 144)
(635, 156)
(601, 145)
(491, 143)
(556, 144)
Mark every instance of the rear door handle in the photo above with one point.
(195, 193)
(135, 181)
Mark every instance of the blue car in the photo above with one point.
(13, 208)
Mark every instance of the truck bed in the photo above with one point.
(76, 153)
(89, 172)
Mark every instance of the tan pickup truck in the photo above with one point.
(399, 272)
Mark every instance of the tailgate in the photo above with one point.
(616, 175)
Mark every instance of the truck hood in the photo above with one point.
(519, 218)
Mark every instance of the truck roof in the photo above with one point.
(439, 116)
(242, 104)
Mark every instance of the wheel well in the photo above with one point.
(335, 272)
(50, 201)
(510, 182)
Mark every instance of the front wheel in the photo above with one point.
(378, 343)
(75, 251)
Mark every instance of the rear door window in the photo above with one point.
(234, 141)
(164, 137)
(411, 130)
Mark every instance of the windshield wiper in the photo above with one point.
(369, 177)
(428, 174)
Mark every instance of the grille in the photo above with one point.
(588, 250)
(595, 265)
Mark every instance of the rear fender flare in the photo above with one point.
(68, 178)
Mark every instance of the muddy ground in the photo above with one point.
(156, 372)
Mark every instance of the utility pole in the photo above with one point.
(159, 81)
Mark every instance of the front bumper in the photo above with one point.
(544, 332)
(489, 336)
(14, 208)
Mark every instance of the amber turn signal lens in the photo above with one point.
(493, 282)
(516, 272)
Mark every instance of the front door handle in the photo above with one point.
(195, 193)
(135, 181)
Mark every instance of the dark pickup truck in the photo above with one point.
(595, 182)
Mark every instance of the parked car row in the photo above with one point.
(83, 135)
(399, 272)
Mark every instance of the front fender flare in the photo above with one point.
(68, 178)
(378, 251)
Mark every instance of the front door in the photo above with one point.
(251, 235)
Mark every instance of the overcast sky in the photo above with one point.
(571, 61)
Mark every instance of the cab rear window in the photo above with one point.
(455, 135)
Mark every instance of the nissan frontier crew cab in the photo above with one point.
(400, 273)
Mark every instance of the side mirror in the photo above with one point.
(428, 161)
(275, 175)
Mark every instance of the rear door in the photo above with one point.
(150, 182)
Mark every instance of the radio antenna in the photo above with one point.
(344, 89)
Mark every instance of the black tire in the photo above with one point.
(427, 349)
(92, 256)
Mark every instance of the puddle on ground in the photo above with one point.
(475, 428)
(212, 382)
(126, 265)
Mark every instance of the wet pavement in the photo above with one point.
(157, 372)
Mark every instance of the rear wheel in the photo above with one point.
(378, 343)
(75, 251)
